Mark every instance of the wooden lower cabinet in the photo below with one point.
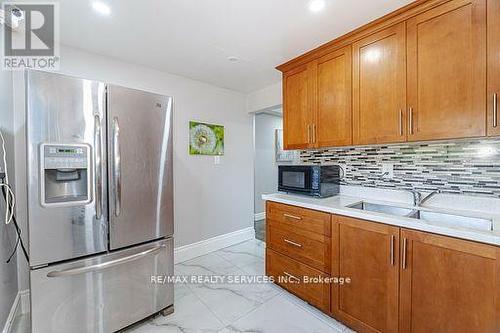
(399, 280)
(448, 285)
(309, 248)
(291, 275)
(298, 247)
(305, 220)
(367, 253)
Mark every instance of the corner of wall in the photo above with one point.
(268, 97)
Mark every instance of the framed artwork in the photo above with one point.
(206, 139)
(283, 155)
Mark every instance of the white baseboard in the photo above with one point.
(12, 314)
(15, 310)
(186, 252)
(259, 216)
(25, 301)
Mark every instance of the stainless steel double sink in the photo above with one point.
(438, 218)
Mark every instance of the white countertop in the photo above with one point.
(463, 205)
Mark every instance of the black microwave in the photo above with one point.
(314, 180)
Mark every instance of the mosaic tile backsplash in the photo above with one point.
(462, 166)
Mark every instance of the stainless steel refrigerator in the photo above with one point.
(100, 203)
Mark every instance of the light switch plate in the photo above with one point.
(216, 160)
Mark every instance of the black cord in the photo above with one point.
(18, 239)
(18, 230)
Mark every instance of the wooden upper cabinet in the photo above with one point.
(379, 87)
(298, 104)
(448, 285)
(429, 71)
(333, 117)
(367, 253)
(317, 102)
(493, 67)
(447, 71)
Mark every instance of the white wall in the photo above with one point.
(270, 97)
(266, 168)
(210, 200)
(8, 272)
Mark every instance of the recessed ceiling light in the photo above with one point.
(233, 59)
(316, 5)
(101, 7)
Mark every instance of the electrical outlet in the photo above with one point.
(388, 170)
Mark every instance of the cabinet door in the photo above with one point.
(367, 253)
(448, 285)
(493, 67)
(379, 87)
(298, 101)
(334, 117)
(447, 71)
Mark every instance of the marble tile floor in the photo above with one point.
(233, 308)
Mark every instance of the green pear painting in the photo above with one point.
(206, 139)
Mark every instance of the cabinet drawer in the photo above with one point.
(310, 248)
(301, 218)
(282, 268)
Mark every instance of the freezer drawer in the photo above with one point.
(102, 294)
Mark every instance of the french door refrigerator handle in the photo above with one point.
(117, 172)
(98, 167)
(104, 265)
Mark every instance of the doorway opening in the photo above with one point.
(268, 154)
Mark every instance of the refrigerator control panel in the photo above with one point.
(64, 157)
(65, 174)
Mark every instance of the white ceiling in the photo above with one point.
(194, 38)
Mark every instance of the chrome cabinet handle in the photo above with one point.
(292, 242)
(291, 276)
(401, 122)
(292, 216)
(104, 265)
(117, 172)
(313, 133)
(393, 238)
(410, 117)
(309, 133)
(403, 262)
(98, 167)
(495, 110)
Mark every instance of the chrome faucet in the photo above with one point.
(418, 200)
(417, 197)
(430, 195)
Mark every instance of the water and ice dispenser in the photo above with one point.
(65, 174)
